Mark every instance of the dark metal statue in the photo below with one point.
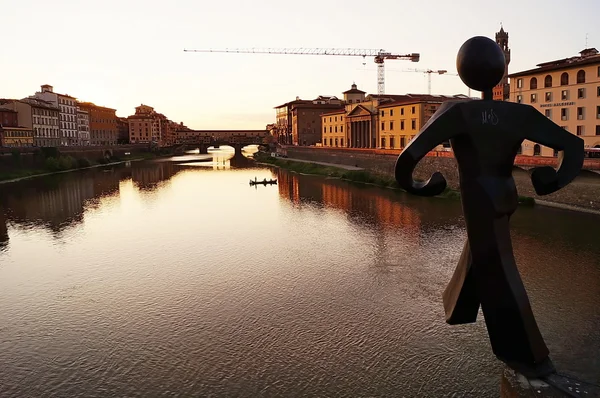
(485, 136)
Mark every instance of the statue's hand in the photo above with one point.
(434, 186)
(544, 180)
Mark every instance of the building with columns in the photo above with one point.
(501, 91)
(567, 91)
(380, 121)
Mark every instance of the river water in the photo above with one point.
(177, 278)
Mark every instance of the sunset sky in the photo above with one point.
(120, 53)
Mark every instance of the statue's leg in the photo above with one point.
(460, 297)
(512, 328)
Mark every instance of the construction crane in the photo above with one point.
(379, 56)
(429, 72)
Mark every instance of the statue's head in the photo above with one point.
(480, 63)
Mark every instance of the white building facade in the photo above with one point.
(83, 127)
(68, 124)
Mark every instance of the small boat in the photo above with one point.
(263, 182)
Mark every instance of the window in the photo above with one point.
(581, 76)
(564, 95)
(537, 150)
(580, 93)
(330, 142)
(548, 97)
(391, 125)
(402, 109)
(548, 81)
(533, 83)
(599, 71)
(401, 124)
(598, 91)
(330, 119)
(392, 142)
(580, 130)
(382, 126)
(548, 113)
(403, 141)
(336, 142)
(597, 130)
(325, 129)
(341, 129)
(519, 83)
(564, 115)
(533, 98)
(564, 79)
(341, 118)
(330, 129)
(336, 129)
(336, 118)
(383, 142)
(413, 110)
(413, 124)
(341, 142)
(580, 113)
(382, 113)
(519, 99)
(391, 112)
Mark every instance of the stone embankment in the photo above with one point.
(582, 194)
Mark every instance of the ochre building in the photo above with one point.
(567, 91)
(103, 124)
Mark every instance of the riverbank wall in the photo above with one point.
(13, 159)
(582, 194)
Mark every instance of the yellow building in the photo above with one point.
(334, 133)
(400, 121)
(16, 137)
(568, 92)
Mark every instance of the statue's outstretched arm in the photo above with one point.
(570, 161)
(441, 127)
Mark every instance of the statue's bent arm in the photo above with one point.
(441, 127)
(541, 130)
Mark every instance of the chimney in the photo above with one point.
(46, 88)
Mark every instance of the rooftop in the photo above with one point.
(92, 105)
(588, 56)
(341, 110)
(420, 98)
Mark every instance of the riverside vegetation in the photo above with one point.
(50, 160)
(355, 176)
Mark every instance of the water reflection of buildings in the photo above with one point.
(147, 177)
(368, 206)
(56, 202)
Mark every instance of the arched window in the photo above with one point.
(564, 79)
(581, 76)
(533, 83)
(548, 81)
(537, 150)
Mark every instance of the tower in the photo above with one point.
(502, 90)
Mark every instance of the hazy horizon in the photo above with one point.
(120, 55)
